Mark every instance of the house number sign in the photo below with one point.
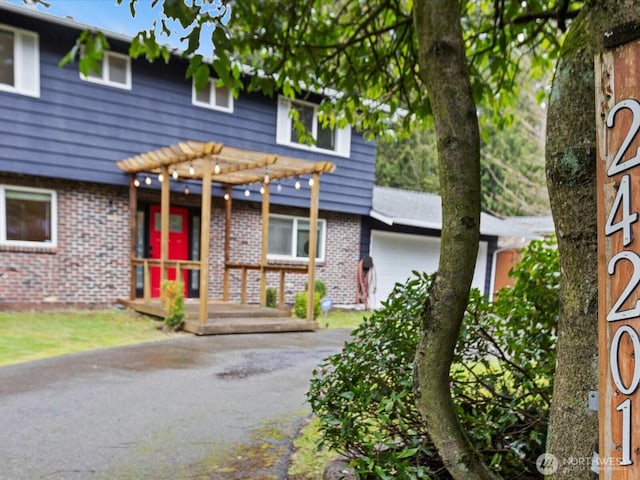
(618, 193)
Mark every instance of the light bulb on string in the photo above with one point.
(247, 193)
(147, 180)
(161, 178)
(262, 190)
(226, 196)
(192, 170)
(186, 190)
(297, 185)
(311, 182)
(174, 174)
(136, 182)
(216, 169)
(279, 188)
(266, 179)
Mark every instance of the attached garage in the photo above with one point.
(402, 234)
(396, 255)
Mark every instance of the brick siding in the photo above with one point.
(90, 265)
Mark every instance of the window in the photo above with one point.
(115, 71)
(28, 216)
(289, 238)
(19, 61)
(336, 141)
(213, 96)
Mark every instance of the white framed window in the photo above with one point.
(28, 216)
(115, 71)
(334, 141)
(289, 238)
(19, 61)
(213, 96)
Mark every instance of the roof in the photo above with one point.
(233, 166)
(394, 206)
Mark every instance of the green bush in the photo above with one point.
(300, 305)
(502, 379)
(172, 296)
(272, 297)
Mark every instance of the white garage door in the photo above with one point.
(396, 255)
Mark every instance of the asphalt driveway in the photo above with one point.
(216, 407)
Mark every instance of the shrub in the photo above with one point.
(300, 305)
(502, 385)
(172, 296)
(272, 297)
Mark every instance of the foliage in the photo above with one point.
(300, 305)
(172, 295)
(272, 297)
(364, 396)
(320, 288)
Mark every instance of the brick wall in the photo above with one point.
(90, 265)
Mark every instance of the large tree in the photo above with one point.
(386, 64)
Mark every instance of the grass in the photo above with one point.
(35, 335)
(307, 462)
(341, 319)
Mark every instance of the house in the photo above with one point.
(101, 183)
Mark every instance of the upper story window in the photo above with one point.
(289, 238)
(19, 61)
(336, 141)
(115, 71)
(213, 96)
(28, 216)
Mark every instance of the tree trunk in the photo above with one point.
(571, 179)
(444, 70)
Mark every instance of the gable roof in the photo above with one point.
(394, 206)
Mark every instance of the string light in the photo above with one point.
(266, 179)
(147, 180)
(192, 170)
(136, 182)
(216, 169)
(175, 173)
(186, 190)
(279, 188)
(262, 190)
(311, 182)
(226, 196)
(161, 178)
(247, 193)
(297, 185)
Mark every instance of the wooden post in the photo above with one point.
(164, 223)
(618, 196)
(205, 226)
(146, 278)
(265, 245)
(243, 286)
(133, 218)
(227, 241)
(281, 291)
(313, 243)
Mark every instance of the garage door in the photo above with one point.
(396, 255)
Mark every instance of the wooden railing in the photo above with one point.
(244, 269)
(147, 263)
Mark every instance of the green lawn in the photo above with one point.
(35, 335)
(341, 319)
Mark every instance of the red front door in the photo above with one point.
(178, 243)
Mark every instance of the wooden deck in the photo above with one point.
(226, 317)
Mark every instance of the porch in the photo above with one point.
(227, 317)
(209, 163)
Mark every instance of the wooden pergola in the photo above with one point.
(214, 162)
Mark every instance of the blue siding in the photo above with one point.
(78, 130)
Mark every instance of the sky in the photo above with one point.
(108, 15)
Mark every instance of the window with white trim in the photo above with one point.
(28, 216)
(115, 71)
(289, 238)
(19, 61)
(335, 141)
(216, 97)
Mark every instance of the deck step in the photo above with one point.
(228, 325)
(237, 311)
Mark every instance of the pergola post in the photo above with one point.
(205, 225)
(265, 245)
(227, 241)
(313, 243)
(133, 218)
(164, 223)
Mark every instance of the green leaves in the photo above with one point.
(502, 378)
(89, 47)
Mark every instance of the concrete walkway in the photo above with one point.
(218, 407)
